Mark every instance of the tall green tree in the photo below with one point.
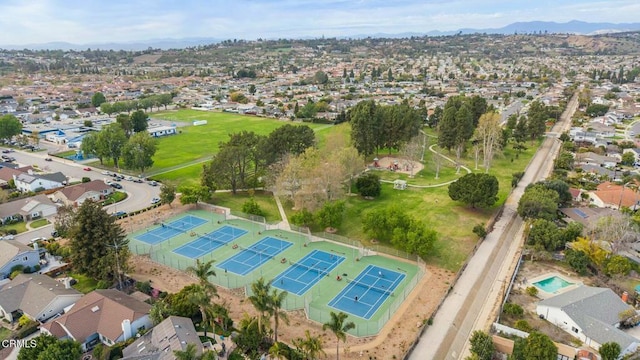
(167, 193)
(477, 190)
(139, 150)
(125, 122)
(276, 301)
(111, 141)
(339, 327)
(545, 233)
(610, 351)
(200, 296)
(482, 345)
(203, 270)
(259, 298)
(139, 121)
(538, 202)
(287, 139)
(90, 146)
(98, 99)
(540, 347)
(366, 127)
(331, 214)
(10, 126)
(98, 244)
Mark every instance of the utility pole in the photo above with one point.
(115, 245)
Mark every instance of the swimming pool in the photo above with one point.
(552, 284)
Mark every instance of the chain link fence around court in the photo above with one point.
(368, 328)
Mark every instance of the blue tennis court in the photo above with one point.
(363, 295)
(255, 255)
(301, 276)
(206, 243)
(167, 231)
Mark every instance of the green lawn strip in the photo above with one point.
(39, 223)
(234, 202)
(19, 227)
(84, 283)
(115, 197)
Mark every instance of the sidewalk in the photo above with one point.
(283, 215)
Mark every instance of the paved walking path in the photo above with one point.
(284, 224)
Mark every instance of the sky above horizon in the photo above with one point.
(93, 21)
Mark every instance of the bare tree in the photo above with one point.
(617, 230)
(489, 133)
(412, 152)
(351, 162)
(437, 160)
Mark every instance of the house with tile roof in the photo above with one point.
(101, 316)
(37, 296)
(13, 253)
(589, 314)
(75, 195)
(615, 196)
(174, 333)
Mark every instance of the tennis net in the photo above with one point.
(257, 252)
(312, 268)
(172, 227)
(214, 239)
(371, 287)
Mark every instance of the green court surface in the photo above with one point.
(315, 301)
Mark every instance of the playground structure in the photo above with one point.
(395, 164)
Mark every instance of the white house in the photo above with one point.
(162, 131)
(589, 314)
(27, 209)
(31, 182)
(106, 316)
(37, 296)
(13, 253)
(172, 334)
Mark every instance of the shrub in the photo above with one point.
(523, 325)
(512, 309)
(368, 185)
(144, 286)
(251, 207)
(85, 179)
(532, 290)
(12, 232)
(480, 230)
(302, 218)
(102, 284)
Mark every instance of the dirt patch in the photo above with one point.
(399, 165)
(392, 342)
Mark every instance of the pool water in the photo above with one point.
(552, 284)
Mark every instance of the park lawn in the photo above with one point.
(196, 144)
(234, 202)
(39, 223)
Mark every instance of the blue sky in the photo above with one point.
(93, 21)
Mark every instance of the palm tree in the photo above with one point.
(275, 301)
(277, 351)
(202, 300)
(339, 328)
(160, 310)
(311, 346)
(260, 299)
(190, 353)
(203, 270)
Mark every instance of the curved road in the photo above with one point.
(475, 291)
(139, 194)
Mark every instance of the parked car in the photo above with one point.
(87, 169)
(129, 178)
(153, 183)
(119, 213)
(155, 200)
(116, 185)
(48, 159)
(108, 173)
(6, 151)
(7, 237)
(137, 180)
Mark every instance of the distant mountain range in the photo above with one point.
(571, 27)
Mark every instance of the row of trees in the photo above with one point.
(375, 127)
(144, 103)
(112, 143)
(242, 161)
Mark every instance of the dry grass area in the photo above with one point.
(147, 58)
(392, 342)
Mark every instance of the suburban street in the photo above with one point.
(479, 287)
(139, 195)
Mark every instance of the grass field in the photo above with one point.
(39, 223)
(84, 284)
(4, 333)
(184, 154)
(265, 200)
(19, 227)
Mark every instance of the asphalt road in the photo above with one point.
(458, 315)
(139, 195)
